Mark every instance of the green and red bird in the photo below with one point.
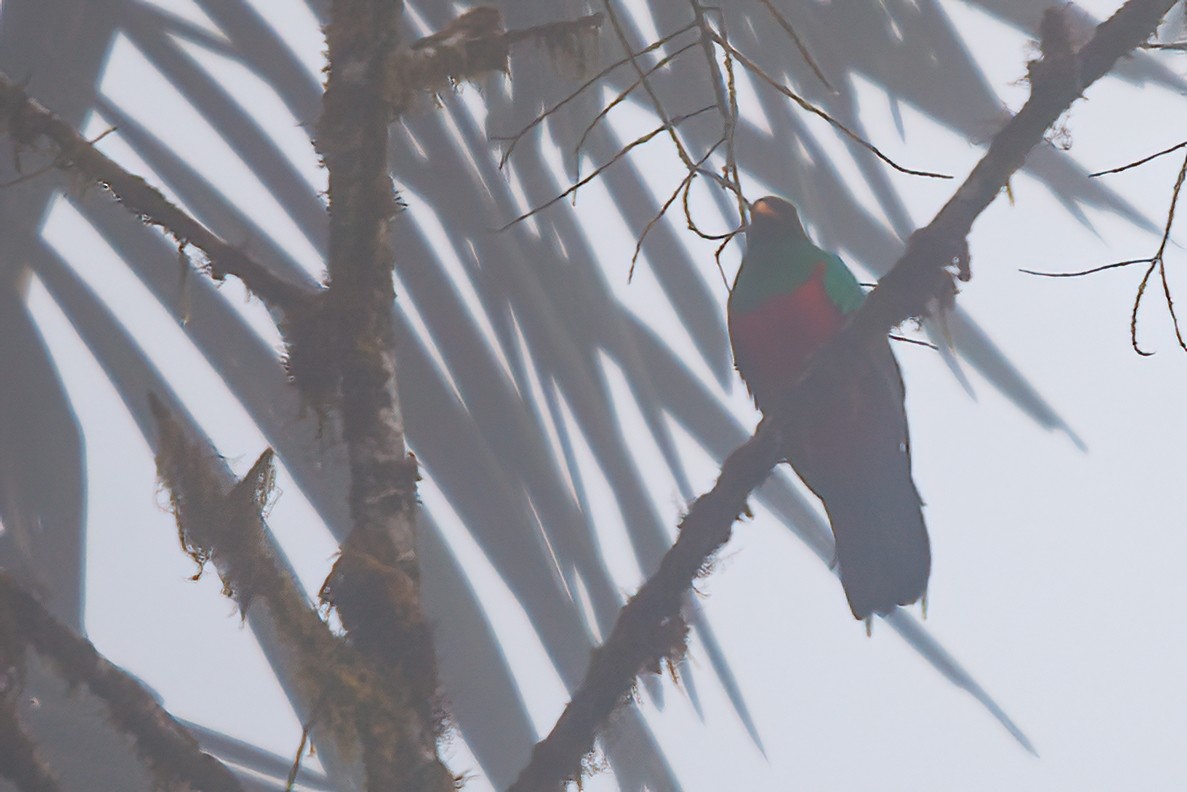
(789, 298)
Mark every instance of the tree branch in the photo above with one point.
(28, 123)
(167, 748)
(360, 709)
(375, 583)
(639, 638)
(470, 46)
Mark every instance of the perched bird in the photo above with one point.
(852, 449)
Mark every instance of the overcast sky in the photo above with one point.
(1057, 576)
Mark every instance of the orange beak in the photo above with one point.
(762, 207)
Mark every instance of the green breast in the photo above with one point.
(780, 266)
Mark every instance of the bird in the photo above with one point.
(851, 447)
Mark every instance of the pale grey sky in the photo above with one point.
(1057, 576)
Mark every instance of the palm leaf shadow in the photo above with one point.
(488, 446)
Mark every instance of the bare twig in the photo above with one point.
(758, 71)
(725, 92)
(625, 150)
(514, 139)
(660, 111)
(1092, 271)
(1142, 161)
(696, 229)
(470, 46)
(624, 93)
(1133, 314)
(27, 122)
(1155, 262)
(917, 279)
(721, 249)
(1159, 256)
(296, 768)
(667, 204)
(922, 343)
(799, 44)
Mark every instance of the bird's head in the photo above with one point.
(771, 217)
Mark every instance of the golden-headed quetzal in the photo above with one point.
(851, 449)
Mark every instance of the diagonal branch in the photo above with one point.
(918, 278)
(726, 94)
(513, 140)
(667, 126)
(167, 748)
(28, 123)
(799, 44)
(624, 93)
(470, 46)
(1141, 161)
(759, 72)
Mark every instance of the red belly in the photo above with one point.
(775, 340)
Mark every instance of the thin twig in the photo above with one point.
(1155, 262)
(535, 122)
(1133, 316)
(296, 768)
(692, 174)
(696, 229)
(799, 44)
(1158, 261)
(1166, 233)
(1093, 271)
(727, 101)
(655, 101)
(721, 249)
(623, 95)
(730, 169)
(1170, 214)
(916, 341)
(720, 180)
(1170, 305)
(634, 143)
(1142, 161)
(755, 69)
(470, 46)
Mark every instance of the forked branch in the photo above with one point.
(1155, 263)
(918, 278)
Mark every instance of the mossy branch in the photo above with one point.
(472, 46)
(169, 751)
(29, 124)
(361, 709)
(919, 280)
